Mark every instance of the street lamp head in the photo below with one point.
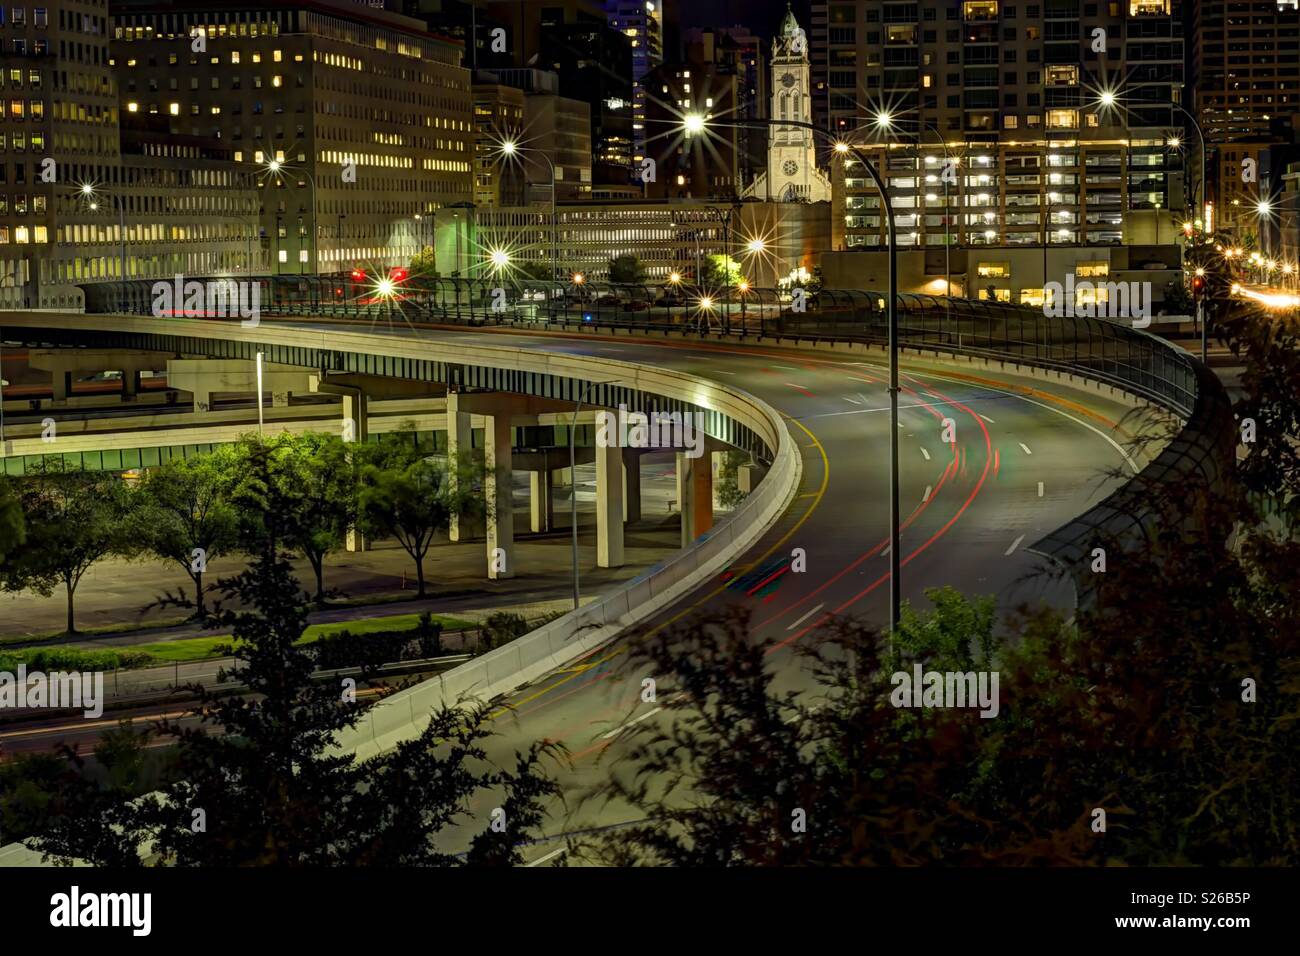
(841, 147)
(273, 165)
(94, 206)
(674, 277)
(500, 258)
(87, 189)
(693, 123)
(579, 278)
(884, 120)
(756, 245)
(1107, 98)
(1263, 207)
(1174, 142)
(509, 147)
(706, 302)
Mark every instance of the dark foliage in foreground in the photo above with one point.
(272, 791)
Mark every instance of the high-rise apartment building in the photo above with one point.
(1245, 66)
(739, 52)
(702, 165)
(640, 21)
(366, 115)
(999, 122)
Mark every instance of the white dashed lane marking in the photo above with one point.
(1015, 544)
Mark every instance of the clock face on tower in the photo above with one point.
(787, 80)
(789, 167)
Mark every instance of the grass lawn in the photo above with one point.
(202, 648)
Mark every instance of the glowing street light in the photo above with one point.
(693, 123)
(1174, 142)
(841, 147)
(706, 302)
(1264, 208)
(756, 246)
(884, 120)
(509, 147)
(499, 258)
(579, 278)
(674, 278)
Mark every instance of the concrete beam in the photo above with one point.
(204, 378)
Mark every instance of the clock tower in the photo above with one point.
(792, 174)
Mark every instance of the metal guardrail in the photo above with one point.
(1097, 348)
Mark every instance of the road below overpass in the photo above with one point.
(1029, 455)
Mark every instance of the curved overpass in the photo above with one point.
(1030, 454)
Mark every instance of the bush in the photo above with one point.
(72, 659)
(501, 628)
(428, 635)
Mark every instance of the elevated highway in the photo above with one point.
(1032, 450)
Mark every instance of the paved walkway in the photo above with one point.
(115, 593)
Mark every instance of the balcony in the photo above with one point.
(975, 11)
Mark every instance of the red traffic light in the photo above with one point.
(1198, 286)
(398, 274)
(358, 275)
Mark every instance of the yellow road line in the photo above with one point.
(817, 495)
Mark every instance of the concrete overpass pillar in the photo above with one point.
(609, 507)
(355, 428)
(501, 517)
(694, 496)
(130, 384)
(541, 507)
(459, 441)
(715, 467)
(631, 485)
(61, 385)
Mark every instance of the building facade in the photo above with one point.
(641, 22)
(1245, 65)
(367, 116)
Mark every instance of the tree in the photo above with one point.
(718, 271)
(13, 530)
(729, 493)
(297, 491)
(626, 269)
(412, 497)
(187, 516)
(261, 785)
(424, 263)
(74, 519)
(1178, 301)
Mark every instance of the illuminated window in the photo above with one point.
(1063, 119)
(993, 270)
(174, 109)
(1091, 270)
(1148, 8)
(980, 10)
(1062, 76)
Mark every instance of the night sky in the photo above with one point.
(761, 16)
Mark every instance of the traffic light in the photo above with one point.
(1198, 286)
(398, 274)
(358, 275)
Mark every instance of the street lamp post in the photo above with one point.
(510, 148)
(89, 191)
(274, 168)
(696, 123)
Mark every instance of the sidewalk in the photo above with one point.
(114, 593)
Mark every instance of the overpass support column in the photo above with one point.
(130, 384)
(715, 467)
(609, 507)
(459, 441)
(541, 508)
(356, 428)
(61, 385)
(500, 506)
(631, 485)
(694, 496)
